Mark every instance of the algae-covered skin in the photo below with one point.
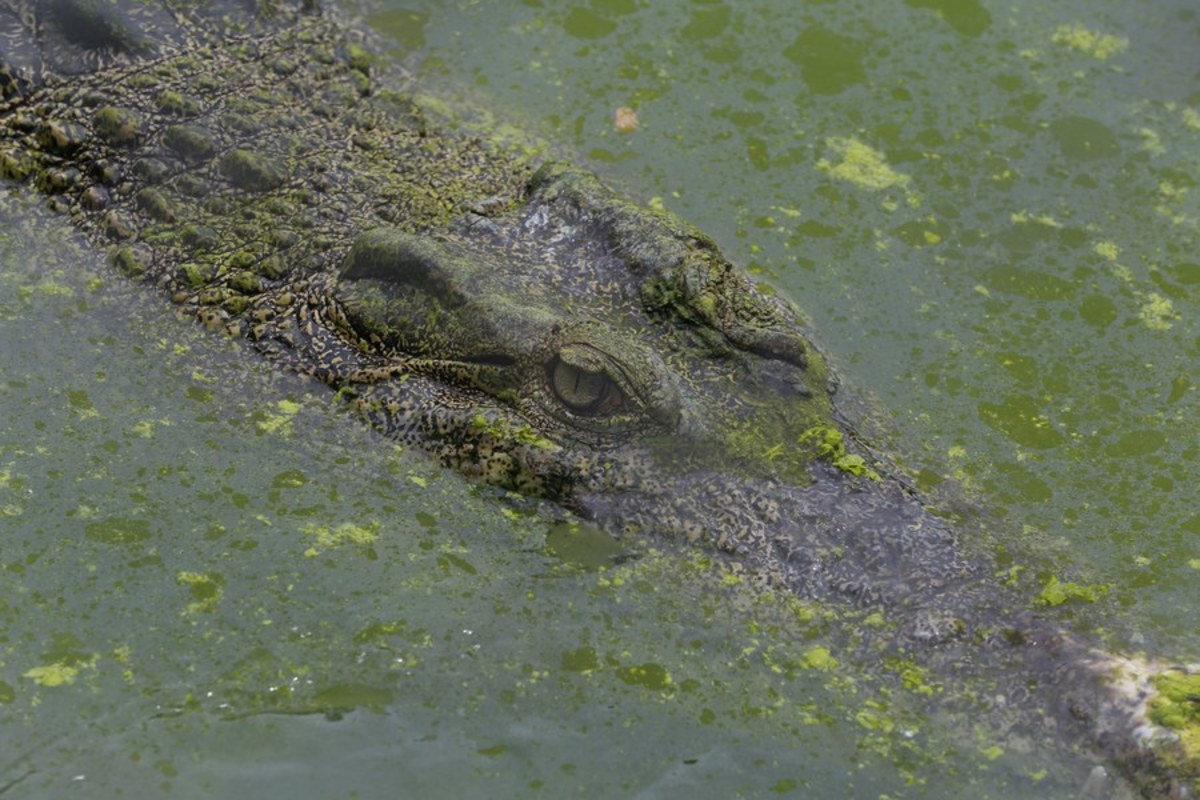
(523, 324)
(1177, 707)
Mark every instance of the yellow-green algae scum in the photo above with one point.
(989, 211)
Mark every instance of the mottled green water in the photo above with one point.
(987, 210)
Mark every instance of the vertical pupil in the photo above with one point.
(580, 389)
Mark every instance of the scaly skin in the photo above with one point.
(525, 326)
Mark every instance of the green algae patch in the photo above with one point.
(447, 560)
(581, 660)
(1107, 250)
(915, 678)
(830, 443)
(58, 674)
(966, 17)
(281, 422)
(862, 165)
(582, 23)
(829, 62)
(1177, 706)
(1030, 283)
(874, 717)
(1082, 138)
(354, 695)
(145, 428)
(762, 446)
(1157, 313)
(7, 481)
(207, 589)
(1098, 310)
(1019, 418)
(1136, 444)
(1056, 592)
(648, 676)
(327, 537)
(504, 430)
(52, 288)
(80, 400)
(819, 658)
(1098, 45)
(992, 752)
(118, 530)
(289, 479)
(582, 545)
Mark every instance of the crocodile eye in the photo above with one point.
(586, 392)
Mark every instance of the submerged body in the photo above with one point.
(522, 324)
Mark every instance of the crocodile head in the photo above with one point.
(602, 326)
(531, 328)
(577, 346)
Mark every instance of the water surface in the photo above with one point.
(213, 582)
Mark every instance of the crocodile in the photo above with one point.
(264, 168)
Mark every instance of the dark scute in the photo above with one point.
(251, 172)
(190, 142)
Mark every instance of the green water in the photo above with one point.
(987, 210)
